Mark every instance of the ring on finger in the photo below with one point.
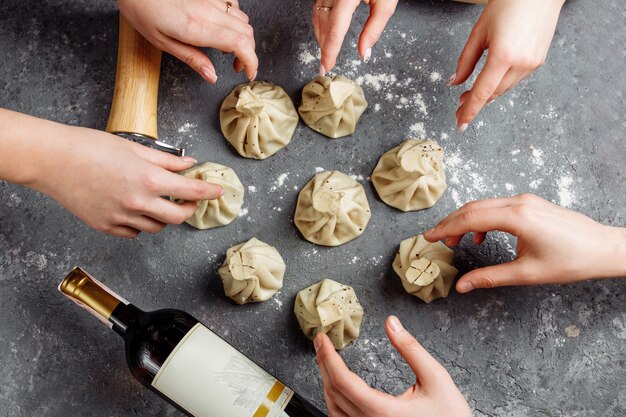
(324, 8)
(229, 5)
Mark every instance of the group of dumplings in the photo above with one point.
(258, 119)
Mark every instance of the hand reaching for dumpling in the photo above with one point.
(433, 395)
(331, 21)
(180, 27)
(554, 245)
(517, 34)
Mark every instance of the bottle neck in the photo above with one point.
(95, 297)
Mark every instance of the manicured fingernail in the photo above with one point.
(221, 192)
(395, 324)
(322, 70)
(452, 79)
(254, 76)
(463, 127)
(465, 286)
(317, 342)
(189, 159)
(491, 101)
(368, 55)
(208, 75)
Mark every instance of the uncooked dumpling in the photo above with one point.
(222, 211)
(425, 268)
(253, 271)
(332, 209)
(258, 119)
(411, 175)
(332, 308)
(332, 105)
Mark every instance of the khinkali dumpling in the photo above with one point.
(332, 105)
(332, 308)
(219, 212)
(411, 176)
(253, 271)
(425, 268)
(332, 209)
(258, 119)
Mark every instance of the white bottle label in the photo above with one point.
(209, 378)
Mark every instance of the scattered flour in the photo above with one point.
(377, 107)
(186, 128)
(515, 151)
(280, 181)
(509, 187)
(566, 196)
(535, 184)
(435, 76)
(376, 81)
(319, 169)
(358, 177)
(243, 211)
(572, 331)
(251, 189)
(537, 156)
(305, 56)
(418, 130)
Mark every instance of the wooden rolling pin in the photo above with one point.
(134, 109)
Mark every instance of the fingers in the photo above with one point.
(123, 232)
(380, 13)
(188, 189)
(482, 90)
(510, 273)
(338, 379)
(145, 224)
(193, 57)
(476, 220)
(162, 159)
(334, 30)
(471, 54)
(426, 368)
(169, 212)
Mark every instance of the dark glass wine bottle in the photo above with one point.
(174, 355)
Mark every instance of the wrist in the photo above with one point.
(617, 252)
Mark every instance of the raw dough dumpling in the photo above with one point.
(258, 119)
(411, 175)
(253, 271)
(332, 308)
(425, 268)
(332, 209)
(332, 105)
(220, 212)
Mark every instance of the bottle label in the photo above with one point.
(207, 377)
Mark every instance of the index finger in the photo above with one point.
(482, 90)
(475, 220)
(336, 29)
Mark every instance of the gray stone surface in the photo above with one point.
(560, 134)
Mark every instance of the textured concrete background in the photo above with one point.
(549, 351)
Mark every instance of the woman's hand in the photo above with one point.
(113, 185)
(433, 395)
(554, 245)
(517, 34)
(180, 27)
(331, 21)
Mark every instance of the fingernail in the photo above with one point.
(221, 192)
(189, 159)
(491, 101)
(368, 55)
(208, 75)
(317, 342)
(452, 79)
(429, 231)
(395, 324)
(322, 70)
(254, 76)
(463, 127)
(465, 286)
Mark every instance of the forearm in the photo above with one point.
(615, 264)
(26, 143)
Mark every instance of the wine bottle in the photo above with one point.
(184, 362)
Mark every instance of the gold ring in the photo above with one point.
(324, 8)
(229, 5)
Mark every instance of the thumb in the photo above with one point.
(510, 273)
(472, 52)
(426, 368)
(193, 57)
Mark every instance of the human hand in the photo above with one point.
(332, 25)
(518, 35)
(116, 186)
(180, 27)
(433, 395)
(554, 245)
